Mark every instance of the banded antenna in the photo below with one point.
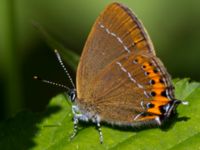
(51, 82)
(64, 68)
(55, 83)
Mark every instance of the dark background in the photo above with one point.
(173, 27)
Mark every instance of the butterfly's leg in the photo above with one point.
(99, 129)
(74, 111)
(77, 116)
(75, 128)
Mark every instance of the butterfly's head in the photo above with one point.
(72, 95)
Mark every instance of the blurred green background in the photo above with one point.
(174, 27)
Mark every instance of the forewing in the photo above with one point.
(116, 32)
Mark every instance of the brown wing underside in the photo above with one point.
(116, 32)
(110, 82)
(123, 89)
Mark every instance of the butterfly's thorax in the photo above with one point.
(86, 106)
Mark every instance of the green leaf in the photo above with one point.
(51, 129)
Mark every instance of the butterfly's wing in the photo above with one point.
(125, 92)
(119, 78)
(116, 32)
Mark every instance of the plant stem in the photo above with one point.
(11, 59)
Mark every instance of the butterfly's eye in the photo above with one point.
(72, 95)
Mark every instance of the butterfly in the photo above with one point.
(120, 80)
